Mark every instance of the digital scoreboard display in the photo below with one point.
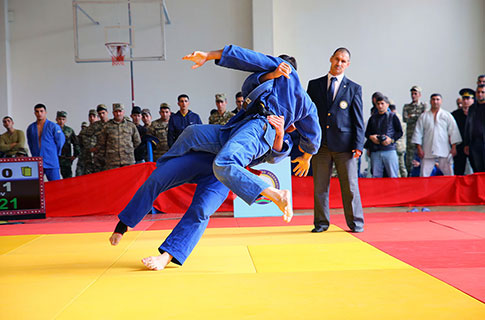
(21, 188)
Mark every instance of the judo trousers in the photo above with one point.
(209, 195)
(235, 148)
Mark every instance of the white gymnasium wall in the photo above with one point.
(4, 59)
(436, 44)
(43, 67)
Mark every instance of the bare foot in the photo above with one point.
(282, 198)
(157, 262)
(285, 205)
(115, 238)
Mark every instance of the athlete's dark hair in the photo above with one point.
(289, 59)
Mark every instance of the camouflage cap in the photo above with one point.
(164, 105)
(118, 107)
(146, 111)
(415, 88)
(61, 114)
(84, 124)
(92, 112)
(221, 97)
(101, 107)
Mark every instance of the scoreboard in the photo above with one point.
(21, 188)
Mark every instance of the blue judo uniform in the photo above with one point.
(51, 143)
(193, 167)
(247, 136)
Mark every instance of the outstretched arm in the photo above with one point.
(201, 57)
(283, 69)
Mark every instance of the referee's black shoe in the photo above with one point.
(319, 229)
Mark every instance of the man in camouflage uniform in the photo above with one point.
(410, 115)
(222, 116)
(80, 164)
(159, 129)
(118, 140)
(400, 145)
(70, 150)
(97, 128)
(87, 141)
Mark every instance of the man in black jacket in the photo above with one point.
(383, 130)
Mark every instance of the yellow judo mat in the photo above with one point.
(233, 273)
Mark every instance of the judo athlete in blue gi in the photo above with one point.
(193, 167)
(50, 143)
(248, 136)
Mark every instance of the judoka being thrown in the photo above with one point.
(247, 137)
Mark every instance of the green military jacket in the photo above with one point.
(7, 139)
(411, 113)
(159, 129)
(117, 142)
(96, 128)
(216, 118)
(71, 140)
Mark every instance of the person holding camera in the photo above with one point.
(383, 130)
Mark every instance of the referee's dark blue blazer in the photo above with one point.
(342, 121)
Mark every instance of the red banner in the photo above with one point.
(108, 192)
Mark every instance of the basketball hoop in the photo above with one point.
(117, 51)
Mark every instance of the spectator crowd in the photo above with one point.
(104, 143)
(427, 141)
(422, 142)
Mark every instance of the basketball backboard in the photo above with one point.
(140, 23)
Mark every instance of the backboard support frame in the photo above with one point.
(77, 8)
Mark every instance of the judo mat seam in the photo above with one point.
(252, 260)
(38, 236)
(453, 228)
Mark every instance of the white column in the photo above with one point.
(263, 38)
(5, 95)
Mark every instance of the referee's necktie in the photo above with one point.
(331, 90)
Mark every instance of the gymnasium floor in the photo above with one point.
(424, 265)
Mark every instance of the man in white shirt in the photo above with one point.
(436, 136)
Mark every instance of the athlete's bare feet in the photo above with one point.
(157, 262)
(115, 238)
(282, 198)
